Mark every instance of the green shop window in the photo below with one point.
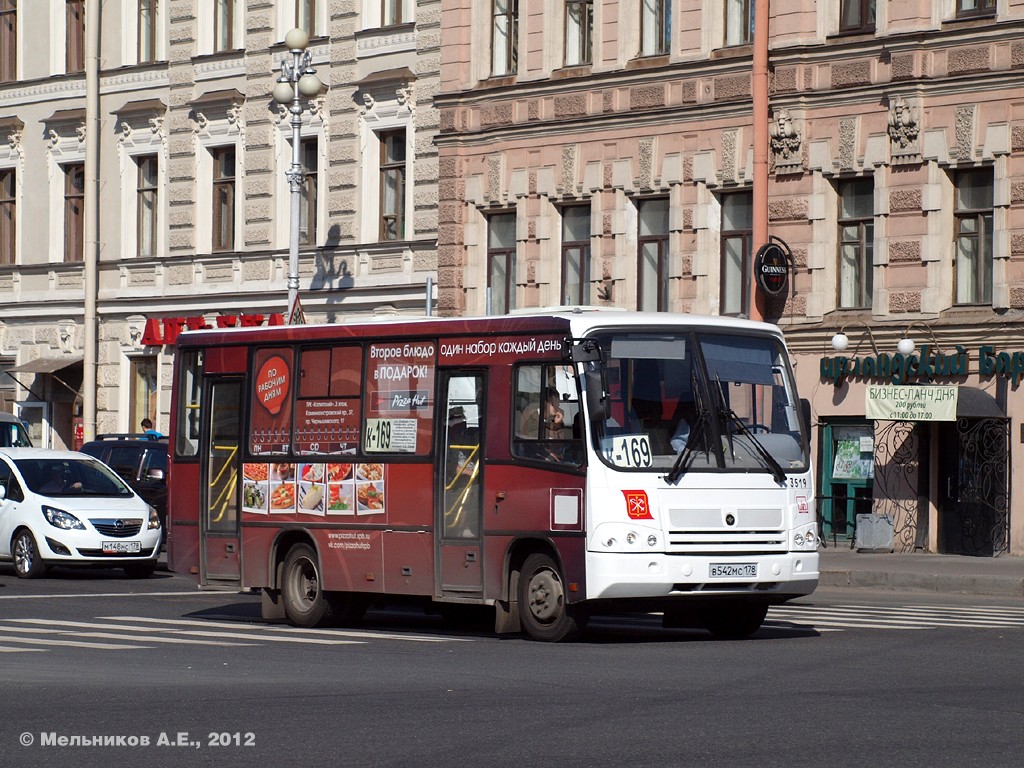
(848, 472)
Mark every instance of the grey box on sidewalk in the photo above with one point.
(874, 533)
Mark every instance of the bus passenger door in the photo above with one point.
(221, 466)
(458, 471)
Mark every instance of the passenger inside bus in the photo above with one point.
(463, 445)
(551, 427)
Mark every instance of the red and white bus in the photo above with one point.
(552, 465)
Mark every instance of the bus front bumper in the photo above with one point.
(654, 575)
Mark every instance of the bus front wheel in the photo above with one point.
(544, 612)
(305, 602)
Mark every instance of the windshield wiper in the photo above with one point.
(778, 473)
(685, 456)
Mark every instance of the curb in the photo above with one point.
(919, 582)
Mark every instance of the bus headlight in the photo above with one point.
(652, 540)
(631, 538)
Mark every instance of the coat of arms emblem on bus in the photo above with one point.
(637, 506)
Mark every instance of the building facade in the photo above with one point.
(193, 203)
(601, 152)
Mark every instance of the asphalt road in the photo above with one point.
(172, 676)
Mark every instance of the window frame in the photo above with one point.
(147, 192)
(8, 215)
(981, 288)
(147, 40)
(226, 184)
(307, 7)
(582, 290)
(747, 9)
(984, 9)
(510, 51)
(74, 36)
(661, 268)
(74, 212)
(746, 237)
(8, 41)
(506, 254)
(309, 156)
(661, 10)
(389, 168)
(584, 32)
(866, 16)
(864, 244)
(223, 25)
(387, 7)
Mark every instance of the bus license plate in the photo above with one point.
(733, 571)
(121, 547)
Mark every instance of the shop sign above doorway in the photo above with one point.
(910, 403)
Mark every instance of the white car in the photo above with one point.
(66, 508)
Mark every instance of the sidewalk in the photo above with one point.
(844, 567)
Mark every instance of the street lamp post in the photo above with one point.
(298, 79)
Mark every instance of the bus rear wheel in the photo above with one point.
(734, 620)
(544, 612)
(305, 602)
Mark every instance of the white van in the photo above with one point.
(13, 433)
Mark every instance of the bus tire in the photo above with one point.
(544, 611)
(734, 620)
(305, 602)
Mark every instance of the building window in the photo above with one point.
(739, 22)
(652, 264)
(7, 216)
(973, 268)
(74, 32)
(392, 185)
(857, 16)
(147, 198)
(655, 27)
(856, 241)
(147, 30)
(223, 198)
(8, 40)
(579, 26)
(144, 391)
(391, 12)
(223, 25)
(576, 255)
(74, 212)
(501, 263)
(967, 8)
(305, 16)
(737, 234)
(504, 37)
(307, 200)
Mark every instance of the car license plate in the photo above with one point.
(733, 571)
(122, 547)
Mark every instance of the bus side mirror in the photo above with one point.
(596, 400)
(805, 414)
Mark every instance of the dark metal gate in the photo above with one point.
(974, 491)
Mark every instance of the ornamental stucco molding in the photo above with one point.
(785, 140)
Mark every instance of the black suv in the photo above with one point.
(141, 461)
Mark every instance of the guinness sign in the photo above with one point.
(771, 268)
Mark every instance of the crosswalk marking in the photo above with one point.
(897, 617)
(296, 630)
(143, 632)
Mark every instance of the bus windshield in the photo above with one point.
(698, 401)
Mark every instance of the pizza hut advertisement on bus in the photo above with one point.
(320, 489)
(399, 383)
(271, 425)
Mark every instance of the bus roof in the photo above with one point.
(576, 321)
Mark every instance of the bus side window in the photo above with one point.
(544, 427)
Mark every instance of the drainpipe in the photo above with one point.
(759, 85)
(91, 215)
